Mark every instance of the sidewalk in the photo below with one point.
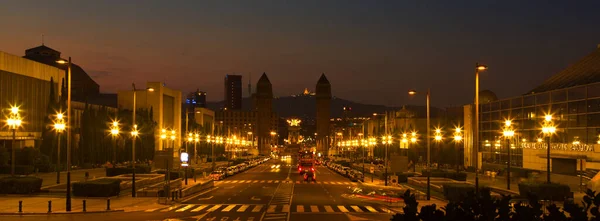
(76, 175)
(10, 204)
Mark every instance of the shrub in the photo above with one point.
(20, 185)
(140, 169)
(97, 188)
(173, 175)
(460, 176)
(545, 191)
(19, 169)
(456, 191)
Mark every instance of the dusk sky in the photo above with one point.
(371, 51)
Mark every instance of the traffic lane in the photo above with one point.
(341, 193)
(236, 193)
(311, 193)
(338, 216)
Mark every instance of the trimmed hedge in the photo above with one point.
(545, 191)
(19, 169)
(141, 169)
(460, 176)
(97, 188)
(454, 192)
(20, 185)
(173, 175)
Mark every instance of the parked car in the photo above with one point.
(231, 171)
(217, 175)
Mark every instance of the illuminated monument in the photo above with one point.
(294, 131)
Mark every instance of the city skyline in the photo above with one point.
(375, 43)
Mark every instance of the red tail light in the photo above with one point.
(299, 168)
(312, 169)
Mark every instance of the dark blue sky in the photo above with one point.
(371, 51)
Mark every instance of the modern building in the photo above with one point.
(196, 99)
(233, 92)
(28, 85)
(323, 99)
(83, 86)
(165, 104)
(571, 97)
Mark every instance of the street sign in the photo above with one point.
(372, 169)
(394, 179)
(184, 159)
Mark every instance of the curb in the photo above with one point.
(59, 213)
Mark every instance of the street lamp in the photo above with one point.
(68, 127)
(14, 122)
(134, 135)
(196, 140)
(413, 140)
(59, 126)
(508, 133)
(457, 139)
(478, 68)
(114, 131)
(413, 92)
(387, 141)
(163, 137)
(438, 138)
(548, 129)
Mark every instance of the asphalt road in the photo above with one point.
(271, 191)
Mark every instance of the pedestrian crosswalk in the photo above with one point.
(257, 208)
(283, 181)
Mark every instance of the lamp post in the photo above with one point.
(478, 68)
(163, 137)
(134, 135)
(173, 137)
(438, 138)
(548, 129)
(413, 140)
(386, 140)
(114, 131)
(59, 126)
(68, 127)
(196, 140)
(413, 92)
(457, 140)
(14, 122)
(508, 133)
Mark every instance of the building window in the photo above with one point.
(559, 96)
(577, 107)
(593, 105)
(529, 100)
(542, 98)
(516, 102)
(593, 91)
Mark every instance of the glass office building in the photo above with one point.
(572, 97)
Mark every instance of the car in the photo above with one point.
(305, 167)
(345, 170)
(230, 171)
(310, 175)
(217, 175)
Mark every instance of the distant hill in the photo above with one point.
(306, 106)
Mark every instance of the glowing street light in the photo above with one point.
(114, 131)
(478, 68)
(13, 122)
(59, 127)
(428, 95)
(508, 133)
(548, 129)
(457, 139)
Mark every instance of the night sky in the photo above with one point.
(371, 51)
